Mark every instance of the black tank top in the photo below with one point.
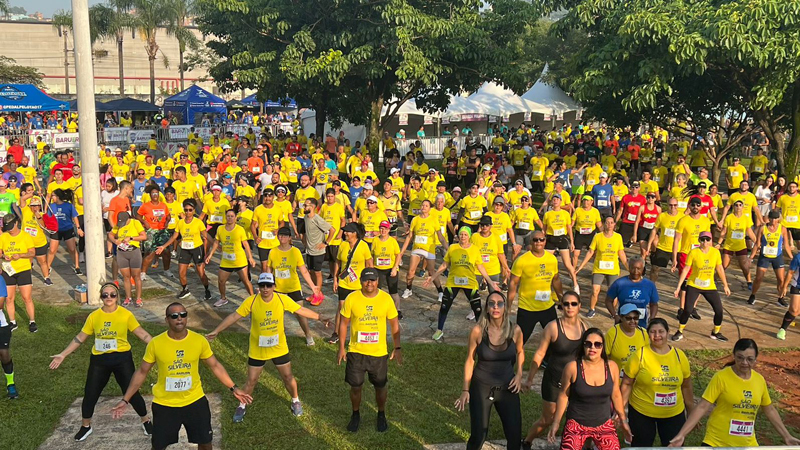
(560, 353)
(495, 365)
(590, 406)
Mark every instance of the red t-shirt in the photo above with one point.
(66, 170)
(630, 207)
(707, 203)
(293, 148)
(634, 151)
(17, 152)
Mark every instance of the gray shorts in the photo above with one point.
(132, 259)
(598, 278)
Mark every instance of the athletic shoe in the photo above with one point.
(184, 293)
(441, 296)
(316, 300)
(48, 281)
(12, 392)
(32, 327)
(334, 339)
(782, 301)
(355, 421)
(83, 433)
(126, 303)
(108, 255)
(297, 408)
(399, 315)
(576, 288)
(750, 285)
(471, 315)
(382, 424)
(13, 325)
(781, 334)
(220, 302)
(526, 445)
(677, 336)
(143, 276)
(139, 303)
(238, 415)
(719, 337)
(77, 270)
(751, 300)
(310, 341)
(207, 295)
(407, 293)
(695, 315)
(148, 428)
(154, 265)
(174, 254)
(591, 314)
(438, 335)
(328, 280)
(169, 274)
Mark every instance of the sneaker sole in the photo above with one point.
(85, 436)
(185, 295)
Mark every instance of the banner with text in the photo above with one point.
(139, 136)
(66, 140)
(115, 134)
(179, 132)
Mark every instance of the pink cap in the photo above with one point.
(385, 224)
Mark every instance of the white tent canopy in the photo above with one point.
(551, 97)
(494, 99)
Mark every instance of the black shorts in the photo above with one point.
(195, 255)
(342, 293)
(794, 290)
(376, 367)
(106, 225)
(332, 252)
(527, 320)
(301, 225)
(626, 231)
(795, 232)
(42, 251)
(551, 387)
(277, 361)
(557, 243)
(583, 241)
(314, 262)
(742, 252)
(387, 281)
(65, 235)
(195, 417)
(18, 279)
(5, 337)
(643, 234)
(232, 269)
(297, 296)
(212, 230)
(263, 254)
(660, 258)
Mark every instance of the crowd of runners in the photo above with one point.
(491, 222)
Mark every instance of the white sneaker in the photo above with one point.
(83, 258)
(220, 302)
(143, 276)
(441, 296)
(471, 315)
(577, 289)
(407, 293)
(310, 341)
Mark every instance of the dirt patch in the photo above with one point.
(77, 318)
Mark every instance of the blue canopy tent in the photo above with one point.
(27, 97)
(193, 101)
(131, 104)
(98, 106)
(252, 101)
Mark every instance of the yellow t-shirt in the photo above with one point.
(177, 362)
(592, 176)
(215, 211)
(760, 162)
(660, 175)
(585, 222)
(666, 225)
(371, 222)
(110, 330)
(284, 266)
(368, 318)
(462, 263)
(703, 268)
(16, 245)
(606, 256)
(351, 278)
(291, 169)
(424, 230)
(657, 381)
(175, 211)
(790, 210)
(500, 224)
(620, 346)
(333, 214)
(690, 230)
(267, 336)
(185, 190)
(268, 220)
(384, 253)
(556, 223)
(736, 175)
(246, 191)
(536, 277)
(648, 187)
(131, 230)
(736, 231)
(525, 219)
(473, 208)
(233, 254)
(748, 199)
(490, 248)
(191, 233)
(300, 196)
(244, 219)
(732, 422)
(31, 226)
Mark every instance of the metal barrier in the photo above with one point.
(433, 147)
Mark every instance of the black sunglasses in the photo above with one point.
(106, 295)
(631, 318)
(498, 305)
(572, 304)
(597, 344)
(538, 239)
(188, 209)
(266, 285)
(705, 239)
(174, 316)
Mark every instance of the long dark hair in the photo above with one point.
(581, 351)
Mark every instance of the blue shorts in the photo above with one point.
(766, 263)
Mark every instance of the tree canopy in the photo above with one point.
(11, 72)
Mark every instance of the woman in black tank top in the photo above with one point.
(589, 395)
(496, 378)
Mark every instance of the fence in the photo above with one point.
(433, 147)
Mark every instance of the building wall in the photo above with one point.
(39, 45)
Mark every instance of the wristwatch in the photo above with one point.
(234, 387)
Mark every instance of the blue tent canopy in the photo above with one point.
(27, 97)
(131, 104)
(194, 100)
(98, 106)
(252, 101)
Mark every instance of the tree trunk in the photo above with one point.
(791, 152)
(375, 130)
(321, 118)
(180, 65)
(121, 65)
(152, 60)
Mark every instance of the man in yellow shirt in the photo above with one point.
(610, 253)
(178, 397)
(759, 165)
(366, 312)
(735, 174)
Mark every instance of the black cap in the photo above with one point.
(369, 274)
(285, 231)
(350, 228)
(441, 184)
(774, 214)
(486, 220)
(695, 201)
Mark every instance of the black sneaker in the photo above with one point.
(695, 315)
(751, 300)
(184, 293)
(32, 327)
(207, 295)
(13, 325)
(334, 339)
(148, 428)
(77, 270)
(83, 433)
(677, 336)
(782, 301)
(108, 255)
(399, 315)
(355, 421)
(718, 337)
(526, 445)
(382, 424)
(48, 281)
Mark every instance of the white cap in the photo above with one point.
(368, 186)
(394, 171)
(226, 146)
(603, 175)
(372, 198)
(266, 277)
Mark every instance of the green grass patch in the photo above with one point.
(149, 293)
(420, 408)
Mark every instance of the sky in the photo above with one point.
(47, 7)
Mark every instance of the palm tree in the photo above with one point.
(62, 21)
(4, 7)
(118, 24)
(148, 17)
(186, 38)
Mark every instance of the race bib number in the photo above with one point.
(8, 268)
(591, 183)
(669, 232)
(421, 240)
(682, 205)
(642, 312)
(415, 212)
(743, 428)
(486, 258)
(702, 283)
(758, 169)
(138, 198)
(384, 262)
(267, 235)
(503, 237)
(537, 173)
(602, 203)
(370, 234)
(229, 256)
(178, 384)
(738, 235)
(105, 345)
(606, 265)
(649, 225)
(123, 247)
(791, 219)
(586, 230)
(668, 399)
(216, 219)
(559, 232)
(166, 173)
(351, 275)
(524, 225)
(453, 216)
(542, 296)
(368, 337)
(461, 281)
(32, 231)
(187, 245)
(283, 274)
(657, 179)
(734, 174)
(770, 251)
(172, 221)
(475, 214)
(292, 174)
(269, 341)
(631, 217)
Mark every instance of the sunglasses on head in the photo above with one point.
(106, 295)
(174, 316)
(589, 344)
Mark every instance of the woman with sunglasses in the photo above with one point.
(561, 340)
(128, 236)
(589, 394)
(623, 339)
(645, 223)
(192, 232)
(736, 393)
(16, 252)
(657, 388)
(495, 379)
(236, 255)
(111, 354)
(736, 228)
(702, 263)
(772, 240)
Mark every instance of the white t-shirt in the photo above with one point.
(106, 198)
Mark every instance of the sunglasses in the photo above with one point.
(269, 194)
(266, 285)
(538, 239)
(673, 205)
(138, 173)
(525, 199)
(705, 239)
(106, 295)
(174, 316)
(188, 209)
(631, 318)
(572, 304)
(596, 344)
(372, 203)
(497, 305)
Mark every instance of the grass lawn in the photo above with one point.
(420, 409)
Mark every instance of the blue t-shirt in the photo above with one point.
(602, 196)
(161, 182)
(64, 213)
(138, 191)
(794, 266)
(354, 193)
(229, 190)
(641, 293)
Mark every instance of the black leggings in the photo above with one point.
(480, 406)
(646, 427)
(81, 240)
(100, 369)
(711, 296)
(447, 301)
